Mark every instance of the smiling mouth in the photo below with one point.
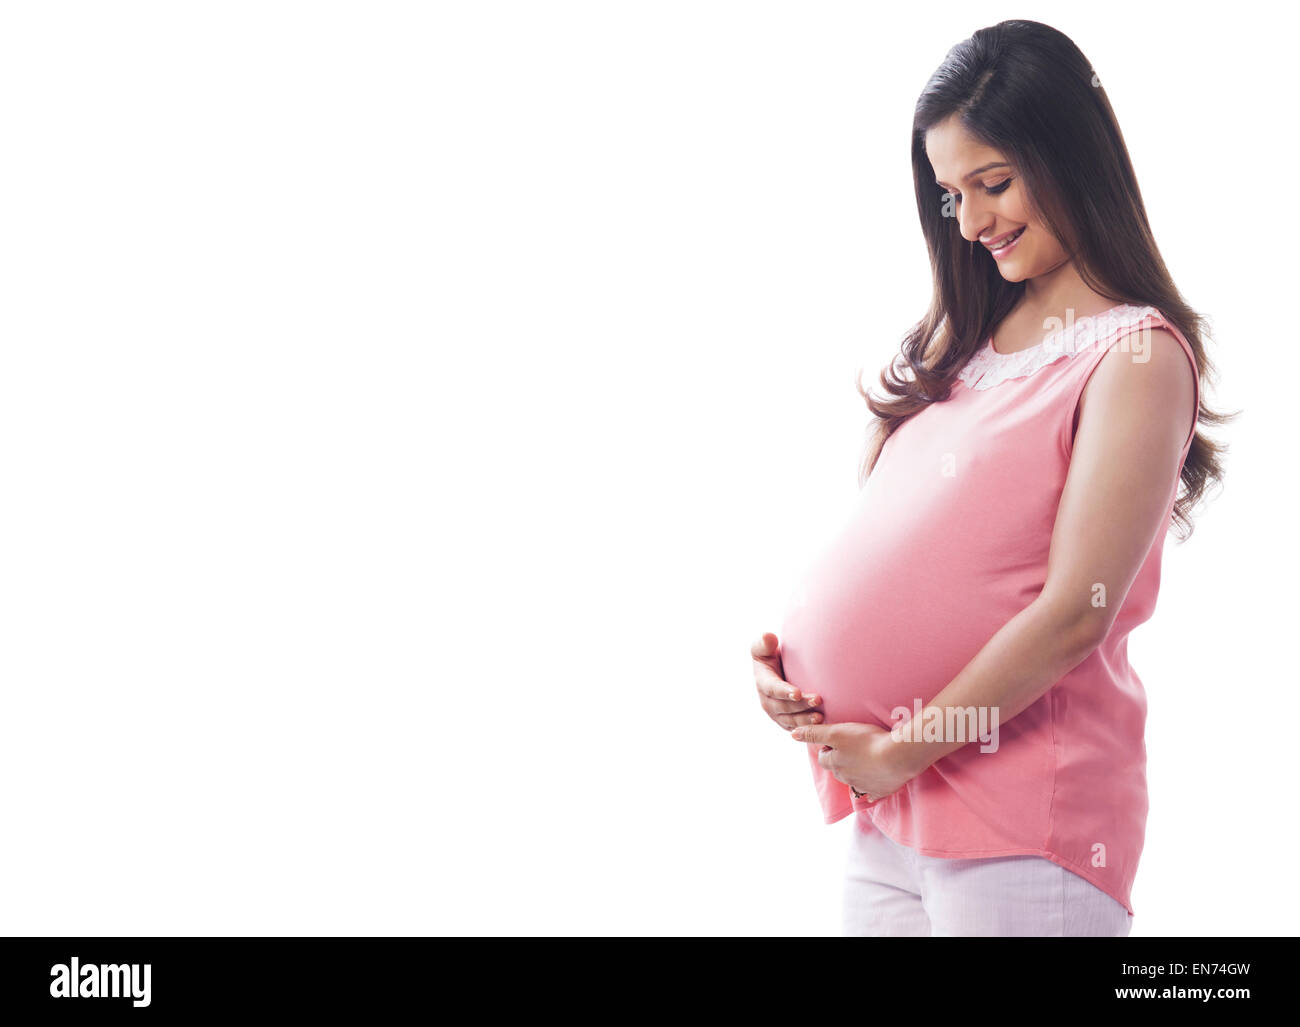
(1006, 240)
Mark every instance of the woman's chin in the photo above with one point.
(1013, 271)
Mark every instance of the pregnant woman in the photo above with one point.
(955, 660)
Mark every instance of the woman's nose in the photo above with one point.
(972, 221)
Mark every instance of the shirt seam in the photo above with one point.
(1051, 723)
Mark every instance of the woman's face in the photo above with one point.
(990, 203)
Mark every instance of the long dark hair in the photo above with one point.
(1025, 89)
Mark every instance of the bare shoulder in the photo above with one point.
(1146, 374)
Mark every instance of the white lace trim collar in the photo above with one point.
(988, 367)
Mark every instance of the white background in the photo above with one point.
(411, 413)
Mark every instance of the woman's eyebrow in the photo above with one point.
(980, 170)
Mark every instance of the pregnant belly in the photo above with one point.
(925, 569)
(878, 623)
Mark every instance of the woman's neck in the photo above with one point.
(1060, 291)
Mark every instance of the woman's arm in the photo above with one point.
(1134, 418)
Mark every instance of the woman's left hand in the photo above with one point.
(863, 756)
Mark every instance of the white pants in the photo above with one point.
(892, 891)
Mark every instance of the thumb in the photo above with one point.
(765, 648)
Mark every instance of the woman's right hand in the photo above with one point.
(780, 700)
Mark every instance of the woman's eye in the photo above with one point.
(992, 190)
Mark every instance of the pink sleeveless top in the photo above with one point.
(929, 565)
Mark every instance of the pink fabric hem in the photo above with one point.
(1059, 860)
